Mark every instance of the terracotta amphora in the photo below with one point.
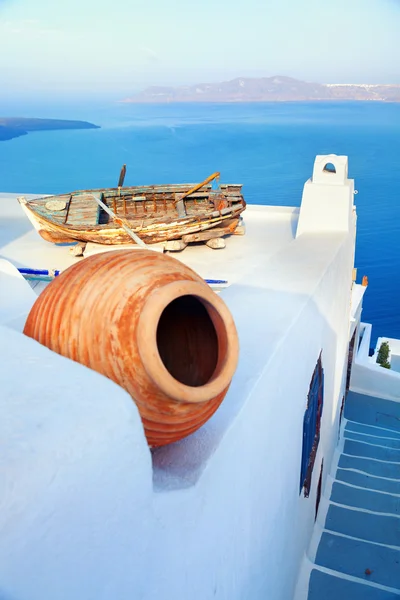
(152, 325)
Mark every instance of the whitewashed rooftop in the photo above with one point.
(268, 230)
(89, 512)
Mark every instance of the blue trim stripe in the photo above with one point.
(46, 273)
(38, 272)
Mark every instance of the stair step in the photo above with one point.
(366, 499)
(372, 411)
(372, 439)
(358, 556)
(368, 481)
(365, 526)
(354, 557)
(324, 586)
(369, 451)
(373, 467)
(371, 430)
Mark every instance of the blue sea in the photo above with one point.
(270, 148)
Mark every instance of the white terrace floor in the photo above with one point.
(268, 230)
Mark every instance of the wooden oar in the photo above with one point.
(197, 187)
(128, 230)
(122, 176)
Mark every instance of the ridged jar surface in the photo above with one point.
(90, 314)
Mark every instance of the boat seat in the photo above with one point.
(83, 210)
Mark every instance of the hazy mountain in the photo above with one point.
(266, 89)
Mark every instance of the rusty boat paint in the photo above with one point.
(150, 324)
(157, 213)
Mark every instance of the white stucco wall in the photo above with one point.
(357, 296)
(75, 485)
(87, 514)
(370, 378)
(16, 296)
(395, 362)
(327, 193)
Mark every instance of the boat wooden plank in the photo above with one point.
(163, 189)
(200, 195)
(147, 212)
(169, 196)
(56, 216)
(83, 210)
(232, 194)
(144, 189)
(202, 236)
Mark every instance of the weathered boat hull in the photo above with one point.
(56, 234)
(82, 222)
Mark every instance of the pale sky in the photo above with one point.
(85, 46)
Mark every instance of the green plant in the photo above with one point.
(383, 355)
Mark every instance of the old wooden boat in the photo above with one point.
(148, 214)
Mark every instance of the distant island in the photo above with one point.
(267, 89)
(12, 127)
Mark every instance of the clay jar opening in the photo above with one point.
(187, 341)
